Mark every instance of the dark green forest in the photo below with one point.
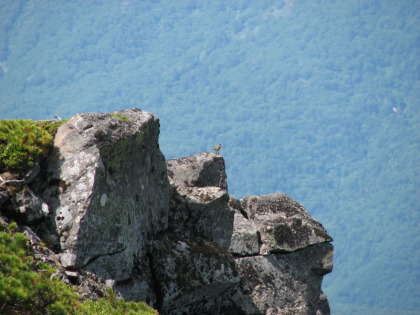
(316, 99)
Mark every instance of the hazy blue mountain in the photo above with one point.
(316, 99)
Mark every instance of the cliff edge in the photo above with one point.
(106, 210)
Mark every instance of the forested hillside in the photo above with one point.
(316, 99)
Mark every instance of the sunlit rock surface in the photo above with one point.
(109, 192)
(283, 224)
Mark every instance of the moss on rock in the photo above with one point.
(121, 117)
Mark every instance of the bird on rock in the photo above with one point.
(217, 148)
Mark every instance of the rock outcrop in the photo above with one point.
(199, 198)
(282, 223)
(294, 254)
(111, 210)
(280, 251)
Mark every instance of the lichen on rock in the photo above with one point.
(283, 224)
(116, 192)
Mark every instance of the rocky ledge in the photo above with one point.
(106, 210)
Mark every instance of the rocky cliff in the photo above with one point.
(106, 210)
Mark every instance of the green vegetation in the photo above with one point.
(24, 290)
(26, 286)
(110, 305)
(121, 117)
(24, 141)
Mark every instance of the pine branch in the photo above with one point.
(9, 181)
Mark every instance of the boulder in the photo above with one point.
(193, 275)
(205, 214)
(281, 252)
(245, 238)
(199, 199)
(28, 206)
(282, 223)
(288, 283)
(199, 170)
(108, 191)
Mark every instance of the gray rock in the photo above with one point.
(323, 307)
(209, 215)
(111, 191)
(200, 210)
(32, 173)
(287, 283)
(73, 277)
(166, 233)
(4, 196)
(192, 276)
(270, 225)
(140, 286)
(244, 240)
(283, 224)
(199, 170)
(29, 206)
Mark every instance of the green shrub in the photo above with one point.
(110, 305)
(24, 141)
(24, 290)
(26, 286)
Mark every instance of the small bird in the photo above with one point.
(217, 148)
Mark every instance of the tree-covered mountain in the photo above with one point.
(316, 99)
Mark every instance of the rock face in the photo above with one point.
(283, 274)
(167, 233)
(280, 251)
(193, 275)
(199, 198)
(199, 270)
(115, 198)
(30, 206)
(200, 170)
(287, 283)
(282, 223)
